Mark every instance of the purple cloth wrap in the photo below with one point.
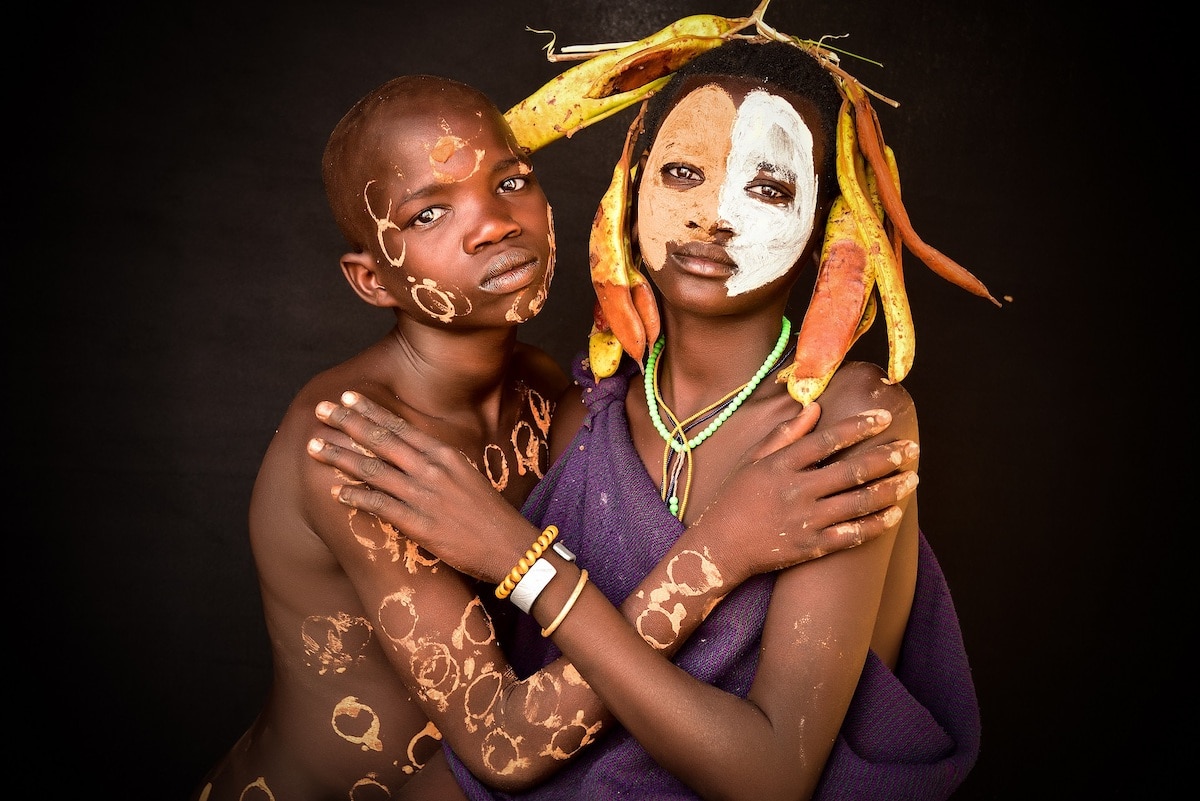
(910, 735)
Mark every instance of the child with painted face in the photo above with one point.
(844, 676)
(448, 227)
(380, 650)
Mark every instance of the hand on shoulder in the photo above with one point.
(858, 386)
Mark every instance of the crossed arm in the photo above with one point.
(411, 496)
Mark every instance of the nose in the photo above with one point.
(495, 224)
(717, 230)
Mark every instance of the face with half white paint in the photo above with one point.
(730, 190)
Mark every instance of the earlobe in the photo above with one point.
(362, 274)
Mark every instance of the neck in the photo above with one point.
(448, 369)
(683, 434)
(676, 429)
(703, 360)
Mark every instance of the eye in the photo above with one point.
(771, 191)
(428, 216)
(514, 184)
(681, 175)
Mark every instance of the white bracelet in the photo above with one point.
(531, 585)
(535, 580)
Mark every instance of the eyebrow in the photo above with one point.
(509, 163)
(774, 169)
(431, 188)
(424, 191)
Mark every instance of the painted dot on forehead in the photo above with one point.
(452, 159)
(446, 147)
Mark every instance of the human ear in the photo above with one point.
(362, 273)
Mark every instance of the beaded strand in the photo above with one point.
(676, 437)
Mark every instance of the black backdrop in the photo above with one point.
(186, 264)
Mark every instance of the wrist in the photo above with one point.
(721, 547)
(508, 552)
(538, 576)
(531, 573)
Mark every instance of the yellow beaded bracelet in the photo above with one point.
(532, 555)
(546, 632)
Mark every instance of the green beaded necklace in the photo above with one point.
(676, 437)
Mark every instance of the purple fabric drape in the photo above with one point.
(910, 735)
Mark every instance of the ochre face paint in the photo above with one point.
(437, 302)
(449, 197)
(451, 159)
(685, 137)
(767, 143)
(542, 291)
(383, 225)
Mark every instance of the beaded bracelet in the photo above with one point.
(532, 555)
(532, 583)
(546, 632)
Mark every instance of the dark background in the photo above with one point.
(186, 263)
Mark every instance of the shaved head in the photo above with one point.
(361, 145)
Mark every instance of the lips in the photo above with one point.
(703, 259)
(510, 271)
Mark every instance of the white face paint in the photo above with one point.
(770, 137)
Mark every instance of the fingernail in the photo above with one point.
(325, 408)
(315, 445)
(911, 450)
(879, 416)
(349, 398)
(336, 492)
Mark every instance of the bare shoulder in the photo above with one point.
(289, 481)
(300, 421)
(860, 386)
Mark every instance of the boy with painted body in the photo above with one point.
(838, 677)
(379, 649)
(450, 229)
